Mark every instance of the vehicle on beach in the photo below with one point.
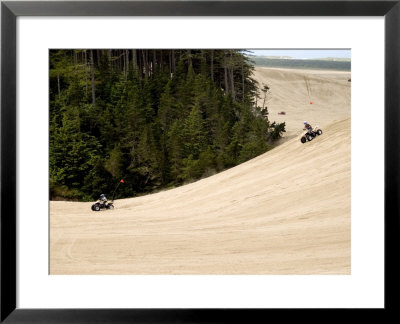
(97, 206)
(309, 136)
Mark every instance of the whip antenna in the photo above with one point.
(121, 181)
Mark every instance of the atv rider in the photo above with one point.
(307, 127)
(102, 199)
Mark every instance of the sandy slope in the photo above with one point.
(329, 94)
(284, 212)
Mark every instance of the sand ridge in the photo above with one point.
(330, 94)
(284, 212)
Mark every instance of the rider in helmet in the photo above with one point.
(102, 199)
(307, 127)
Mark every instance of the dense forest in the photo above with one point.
(155, 118)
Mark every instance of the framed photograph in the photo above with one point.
(198, 161)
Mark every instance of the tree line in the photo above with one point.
(156, 118)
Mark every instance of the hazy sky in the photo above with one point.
(305, 54)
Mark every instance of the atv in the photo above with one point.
(97, 206)
(309, 136)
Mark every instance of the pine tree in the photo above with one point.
(158, 118)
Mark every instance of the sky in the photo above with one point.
(305, 54)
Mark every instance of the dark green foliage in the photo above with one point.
(156, 118)
(277, 130)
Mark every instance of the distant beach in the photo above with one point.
(308, 64)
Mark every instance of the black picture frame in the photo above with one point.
(11, 10)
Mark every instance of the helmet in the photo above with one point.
(102, 196)
(304, 122)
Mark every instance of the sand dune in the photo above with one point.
(329, 92)
(284, 212)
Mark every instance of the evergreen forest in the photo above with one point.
(157, 119)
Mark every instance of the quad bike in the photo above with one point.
(100, 204)
(97, 206)
(309, 136)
